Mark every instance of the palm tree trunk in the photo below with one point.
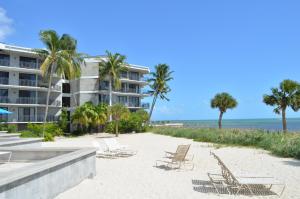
(220, 119)
(47, 99)
(152, 106)
(110, 97)
(117, 128)
(284, 126)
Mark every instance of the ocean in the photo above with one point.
(266, 124)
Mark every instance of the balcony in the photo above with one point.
(38, 118)
(26, 100)
(27, 82)
(30, 65)
(4, 62)
(4, 80)
(128, 90)
(30, 100)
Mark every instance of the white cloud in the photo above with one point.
(5, 24)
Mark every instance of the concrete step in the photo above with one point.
(2, 132)
(10, 135)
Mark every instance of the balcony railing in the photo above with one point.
(4, 62)
(133, 104)
(38, 118)
(128, 90)
(26, 100)
(3, 80)
(31, 65)
(134, 77)
(27, 82)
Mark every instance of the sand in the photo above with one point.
(136, 177)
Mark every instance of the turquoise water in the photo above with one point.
(266, 124)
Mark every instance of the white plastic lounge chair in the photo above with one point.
(103, 154)
(254, 184)
(6, 153)
(177, 159)
(114, 146)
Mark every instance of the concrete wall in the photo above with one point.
(48, 178)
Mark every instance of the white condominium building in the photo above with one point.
(23, 91)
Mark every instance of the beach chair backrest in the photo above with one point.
(98, 146)
(111, 144)
(181, 153)
(226, 173)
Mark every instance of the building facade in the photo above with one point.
(23, 90)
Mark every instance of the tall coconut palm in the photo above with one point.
(288, 94)
(111, 67)
(118, 112)
(60, 57)
(223, 101)
(158, 84)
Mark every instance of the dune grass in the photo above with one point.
(283, 145)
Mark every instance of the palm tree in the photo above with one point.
(60, 57)
(82, 116)
(288, 94)
(158, 84)
(101, 115)
(118, 112)
(111, 67)
(223, 101)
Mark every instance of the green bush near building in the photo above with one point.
(36, 130)
(136, 122)
(283, 145)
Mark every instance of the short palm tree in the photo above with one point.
(118, 112)
(159, 84)
(111, 66)
(288, 94)
(223, 101)
(60, 57)
(82, 116)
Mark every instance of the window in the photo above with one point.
(133, 88)
(4, 77)
(66, 88)
(134, 75)
(122, 100)
(4, 96)
(103, 85)
(124, 74)
(134, 101)
(4, 60)
(104, 99)
(28, 62)
(27, 79)
(66, 102)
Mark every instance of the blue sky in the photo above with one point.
(241, 47)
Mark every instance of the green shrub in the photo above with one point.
(110, 127)
(28, 134)
(36, 130)
(48, 137)
(284, 145)
(12, 128)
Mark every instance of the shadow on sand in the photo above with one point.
(295, 163)
(207, 187)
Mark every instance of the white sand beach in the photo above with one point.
(136, 177)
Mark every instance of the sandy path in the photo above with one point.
(136, 177)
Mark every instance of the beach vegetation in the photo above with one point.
(88, 116)
(158, 83)
(59, 57)
(136, 122)
(223, 101)
(36, 131)
(283, 145)
(286, 95)
(118, 112)
(111, 67)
